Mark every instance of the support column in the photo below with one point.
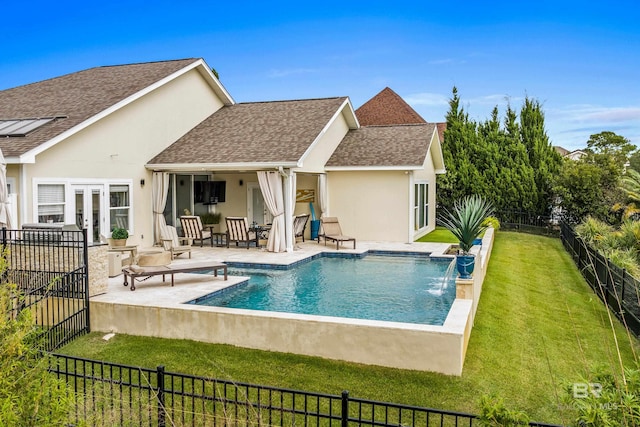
(288, 209)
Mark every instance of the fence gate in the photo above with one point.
(49, 267)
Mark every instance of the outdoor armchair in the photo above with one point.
(238, 231)
(174, 244)
(193, 230)
(299, 225)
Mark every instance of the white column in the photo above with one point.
(288, 209)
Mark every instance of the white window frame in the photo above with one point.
(421, 188)
(129, 208)
(69, 215)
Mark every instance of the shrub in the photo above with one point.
(119, 233)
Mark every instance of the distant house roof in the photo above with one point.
(402, 146)
(387, 108)
(77, 97)
(274, 132)
(442, 126)
(562, 151)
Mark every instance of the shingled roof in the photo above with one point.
(255, 132)
(76, 97)
(387, 108)
(384, 146)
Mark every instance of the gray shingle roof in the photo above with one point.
(256, 132)
(78, 96)
(384, 146)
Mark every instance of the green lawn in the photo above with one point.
(439, 235)
(538, 328)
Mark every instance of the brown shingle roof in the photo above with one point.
(256, 132)
(78, 96)
(442, 126)
(384, 146)
(387, 108)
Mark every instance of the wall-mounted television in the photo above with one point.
(209, 192)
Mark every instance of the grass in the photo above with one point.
(439, 235)
(538, 329)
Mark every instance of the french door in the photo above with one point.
(256, 207)
(89, 209)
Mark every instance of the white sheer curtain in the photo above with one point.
(5, 214)
(159, 192)
(322, 194)
(271, 187)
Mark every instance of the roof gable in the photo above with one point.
(258, 133)
(81, 96)
(371, 147)
(387, 108)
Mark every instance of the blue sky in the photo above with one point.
(581, 60)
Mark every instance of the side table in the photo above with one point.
(219, 238)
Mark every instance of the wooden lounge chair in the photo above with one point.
(238, 231)
(331, 231)
(299, 225)
(193, 230)
(174, 244)
(136, 272)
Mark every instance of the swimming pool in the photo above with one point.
(405, 289)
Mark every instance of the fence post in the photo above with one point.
(345, 409)
(161, 410)
(622, 282)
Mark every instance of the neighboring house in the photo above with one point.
(571, 155)
(88, 148)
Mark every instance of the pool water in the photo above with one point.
(389, 288)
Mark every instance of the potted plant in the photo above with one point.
(466, 222)
(119, 236)
(210, 219)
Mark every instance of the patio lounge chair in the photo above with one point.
(135, 272)
(299, 225)
(331, 231)
(238, 231)
(193, 230)
(174, 244)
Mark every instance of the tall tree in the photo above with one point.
(543, 158)
(611, 148)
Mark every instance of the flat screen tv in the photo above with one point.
(209, 192)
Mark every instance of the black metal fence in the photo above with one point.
(528, 222)
(112, 394)
(615, 287)
(50, 270)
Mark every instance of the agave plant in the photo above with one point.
(466, 220)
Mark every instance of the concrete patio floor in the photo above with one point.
(189, 286)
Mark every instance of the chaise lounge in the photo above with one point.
(136, 272)
(331, 231)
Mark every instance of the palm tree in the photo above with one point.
(630, 184)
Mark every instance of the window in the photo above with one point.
(421, 206)
(51, 203)
(119, 206)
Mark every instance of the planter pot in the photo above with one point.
(118, 242)
(465, 265)
(477, 241)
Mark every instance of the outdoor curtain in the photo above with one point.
(322, 194)
(5, 215)
(271, 187)
(159, 190)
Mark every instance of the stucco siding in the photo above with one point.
(371, 205)
(119, 145)
(325, 146)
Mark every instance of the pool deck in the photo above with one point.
(189, 286)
